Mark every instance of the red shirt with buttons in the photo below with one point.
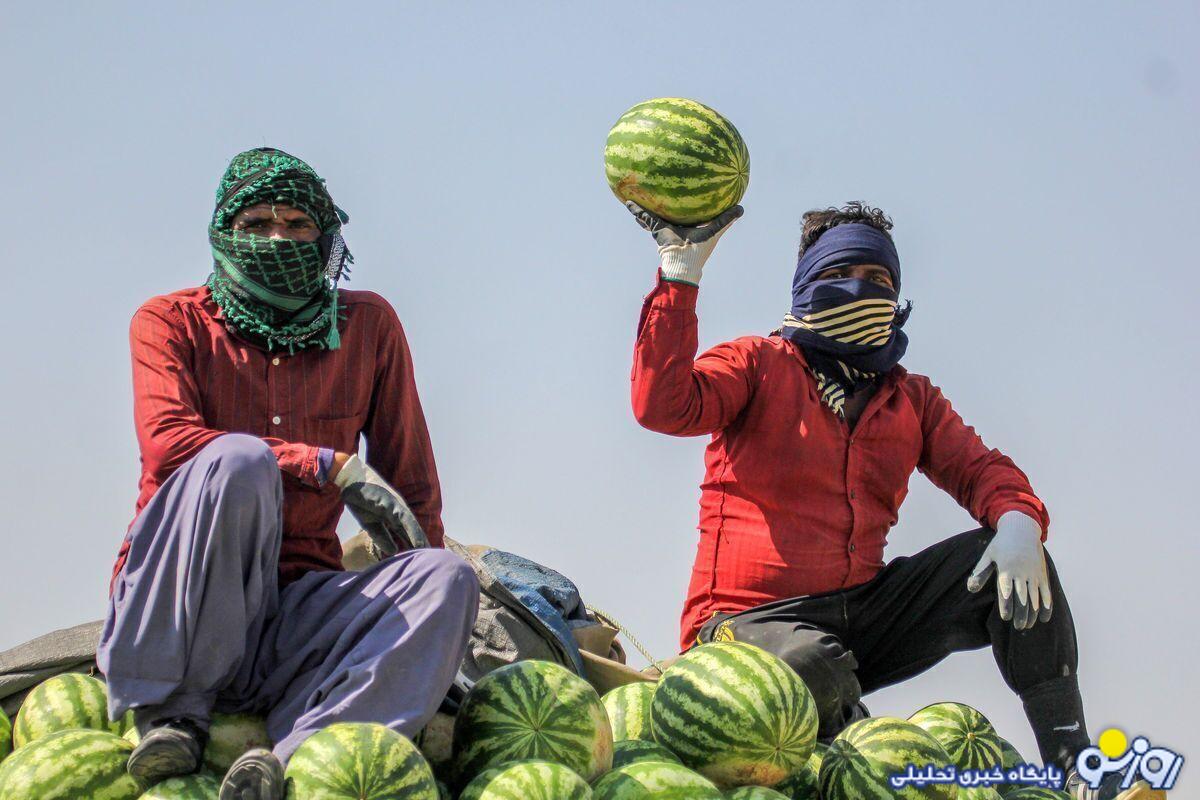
(793, 501)
(193, 380)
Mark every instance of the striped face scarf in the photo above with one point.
(278, 292)
(849, 329)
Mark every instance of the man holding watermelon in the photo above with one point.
(816, 430)
(250, 395)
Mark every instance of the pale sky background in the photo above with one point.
(1040, 163)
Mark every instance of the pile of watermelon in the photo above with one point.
(727, 720)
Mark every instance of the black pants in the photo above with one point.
(910, 616)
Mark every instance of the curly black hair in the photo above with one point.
(819, 220)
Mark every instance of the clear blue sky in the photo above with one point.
(1040, 161)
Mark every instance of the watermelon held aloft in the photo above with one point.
(536, 780)
(628, 710)
(865, 756)
(64, 702)
(201, 786)
(70, 765)
(678, 159)
(631, 751)
(969, 739)
(532, 710)
(5, 735)
(359, 761)
(655, 780)
(231, 735)
(736, 714)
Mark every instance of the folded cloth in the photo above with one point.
(27, 665)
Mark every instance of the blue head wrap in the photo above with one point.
(848, 328)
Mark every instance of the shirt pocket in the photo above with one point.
(340, 434)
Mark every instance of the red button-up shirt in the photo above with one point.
(193, 381)
(793, 501)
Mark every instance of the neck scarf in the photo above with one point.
(849, 329)
(278, 292)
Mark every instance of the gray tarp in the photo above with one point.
(26, 665)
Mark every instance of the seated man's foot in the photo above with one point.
(257, 775)
(1110, 789)
(171, 747)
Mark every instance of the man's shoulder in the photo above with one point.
(172, 304)
(372, 303)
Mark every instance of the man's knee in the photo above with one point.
(237, 460)
(445, 575)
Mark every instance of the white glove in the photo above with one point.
(683, 249)
(1016, 555)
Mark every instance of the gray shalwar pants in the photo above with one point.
(197, 621)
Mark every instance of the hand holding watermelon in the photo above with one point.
(683, 249)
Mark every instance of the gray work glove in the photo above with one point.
(683, 250)
(1016, 555)
(379, 509)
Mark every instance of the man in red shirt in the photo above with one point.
(250, 395)
(816, 430)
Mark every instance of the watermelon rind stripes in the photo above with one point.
(968, 736)
(359, 761)
(536, 780)
(5, 735)
(70, 765)
(532, 710)
(1036, 793)
(201, 786)
(736, 714)
(231, 735)
(677, 158)
(66, 701)
(628, 710)
(476, 785)
(631, 751)
(755, 793)
(977, 793)
(869, 752)
(655, 780)
(802, 785)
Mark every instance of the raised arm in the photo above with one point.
(166, 407)
(984, 481)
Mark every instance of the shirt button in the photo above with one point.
(275, 361)
(851, 547)
(276, 420)
(852, 494)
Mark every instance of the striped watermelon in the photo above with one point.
(654, 780)
(532, 710)
(633, 750)
(66, 701)
(677, 158)
(628, 710)
(818, 754)
(359, 761)
(536, 780)
(978, 793)
(200, 786)
(474, 789)
(736, 714)
(755, 793)
(1036, 793)
(869, 752)
(230, 735)
(1010, 758)
(968, 737)
(70, 765)
(802, 785)
(5, 735)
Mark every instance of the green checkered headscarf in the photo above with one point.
(279, 291)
